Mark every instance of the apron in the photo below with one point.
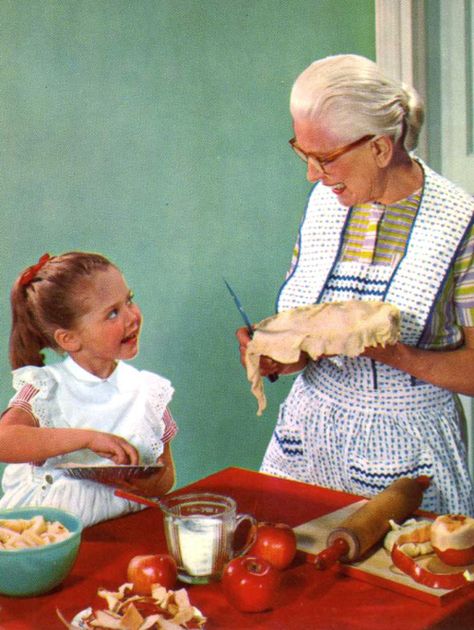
(353, 424)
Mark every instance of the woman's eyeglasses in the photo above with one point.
(321, 161)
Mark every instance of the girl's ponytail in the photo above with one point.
(26, 340)
(48, 296)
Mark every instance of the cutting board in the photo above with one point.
(376, 568)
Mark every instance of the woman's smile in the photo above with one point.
(337, 189)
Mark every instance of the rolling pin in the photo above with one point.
(363, 529)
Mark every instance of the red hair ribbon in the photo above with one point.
(28, 275)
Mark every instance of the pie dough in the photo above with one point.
(331, 328)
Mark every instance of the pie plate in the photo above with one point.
(110, 474)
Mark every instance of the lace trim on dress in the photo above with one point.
(155, 429)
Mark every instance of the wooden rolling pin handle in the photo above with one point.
(329, 556)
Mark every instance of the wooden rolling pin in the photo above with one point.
(367, 526)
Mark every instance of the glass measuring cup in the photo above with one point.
(199, 531)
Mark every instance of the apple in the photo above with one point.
(145, 570)
(456, 557)
(452, 537)
(250, 583)
(275, 542)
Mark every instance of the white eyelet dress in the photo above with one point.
(130, 403)
(354, 424)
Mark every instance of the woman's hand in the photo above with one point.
(268, 366)
(449, 369)
(243, 338)
(112, 447)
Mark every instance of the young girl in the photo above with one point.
(91, 408)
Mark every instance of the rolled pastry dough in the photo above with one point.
(330, 328)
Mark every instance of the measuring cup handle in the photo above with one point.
(252, 533)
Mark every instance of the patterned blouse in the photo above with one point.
(377, 234)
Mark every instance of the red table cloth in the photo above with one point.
(323, 600)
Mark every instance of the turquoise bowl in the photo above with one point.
(36, 570)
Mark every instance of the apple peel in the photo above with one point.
(413, 536)
(170, 610)
(411, 567)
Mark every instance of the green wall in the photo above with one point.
(155, 132)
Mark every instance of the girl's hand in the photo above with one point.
(157, 484)
(113, 447)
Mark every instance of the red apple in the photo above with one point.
(452, 537)
(250, 583)
(145, 570)
(275, 543)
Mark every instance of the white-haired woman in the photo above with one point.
(379, 225)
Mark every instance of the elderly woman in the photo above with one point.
(379, 225)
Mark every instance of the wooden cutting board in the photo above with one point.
(376, 568)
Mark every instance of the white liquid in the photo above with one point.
(202, 546)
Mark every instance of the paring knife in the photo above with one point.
(247, 322)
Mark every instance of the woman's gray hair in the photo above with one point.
(355, 98)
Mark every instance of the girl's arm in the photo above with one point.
(449, 369)
(168, 480)
(160, 483)
(21, 440)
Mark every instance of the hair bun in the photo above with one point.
(414, 115)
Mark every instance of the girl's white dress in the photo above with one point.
(130, 403)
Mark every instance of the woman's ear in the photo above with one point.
(67, 340)
(382, 148)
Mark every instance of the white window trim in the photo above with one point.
(400, 46)
(456, 131)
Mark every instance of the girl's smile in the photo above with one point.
(109, 329)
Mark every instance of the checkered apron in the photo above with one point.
(353, 424)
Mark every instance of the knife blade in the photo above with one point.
(240, 308)
(271, 377)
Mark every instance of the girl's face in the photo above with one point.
(109, 327)
(354, 176)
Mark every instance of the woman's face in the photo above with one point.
(354, 176)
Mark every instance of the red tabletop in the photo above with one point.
(323, 600)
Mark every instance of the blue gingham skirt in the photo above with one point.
(335, 429)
